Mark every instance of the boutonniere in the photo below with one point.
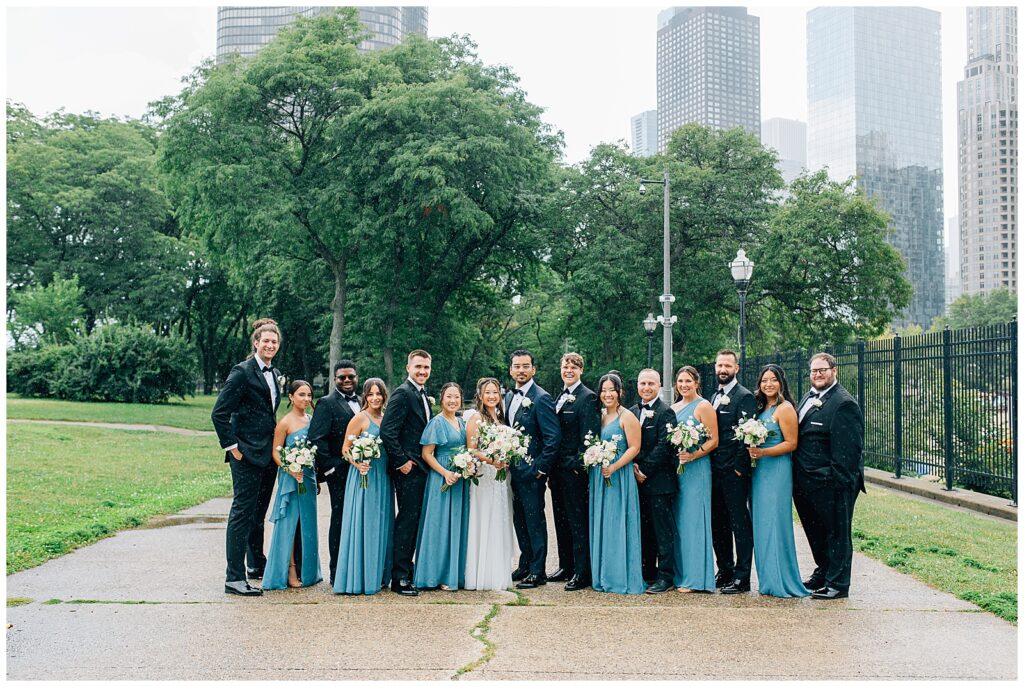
(431, 401)
(527, 402)
(648, 413)
(725, 401)
(816, 403)
(281, 379)
(570, 398)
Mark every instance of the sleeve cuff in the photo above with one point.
(232, 447)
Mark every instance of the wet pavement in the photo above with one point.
(148, 603)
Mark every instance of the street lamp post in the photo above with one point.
(666, 319)
(742, 268)
(650, 325)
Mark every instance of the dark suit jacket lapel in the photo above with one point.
(417, 401)
(261, 381)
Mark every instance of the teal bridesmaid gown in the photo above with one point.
(293, 510)
(772, 514)
(615, 525)
(367, 527)
(444, 524)
(695, 559)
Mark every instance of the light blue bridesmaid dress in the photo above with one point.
(772, 514)
(367, 527)
(695, 559)
(444, 524)
(290, 510)
(615, 524)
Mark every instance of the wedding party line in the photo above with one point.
(688, 497)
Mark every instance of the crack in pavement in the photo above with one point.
(479, 633)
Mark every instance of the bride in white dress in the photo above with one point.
(489, 547)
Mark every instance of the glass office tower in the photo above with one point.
(874, 95)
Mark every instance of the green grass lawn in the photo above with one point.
(971, 557)
(69, 486)
(193, 413)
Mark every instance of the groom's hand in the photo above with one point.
(407, 468)
(640, 477)
(236, 454)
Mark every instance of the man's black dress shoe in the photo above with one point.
(813, 582)
(531, 581)
(404, 587)
(721, 580)
(254, 573)
(519, 574)
(576, 583)
(658, 586)
(736, 587)
(829, 593)
(242, 588)
(560, 575)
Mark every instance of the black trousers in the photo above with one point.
(658, 536)
(730, 520)
(336, 489)
(252, 487)
(530, 524)
(409, 494)
(826, 513)
(570, 493)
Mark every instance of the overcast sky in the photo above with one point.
(591, 67)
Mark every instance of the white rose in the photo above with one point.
(527, 402)
(725, 401)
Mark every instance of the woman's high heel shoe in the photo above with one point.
(293, 578)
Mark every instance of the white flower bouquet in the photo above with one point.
(753, 432)
(687, 437)
(294, 458)
(506, 444)
(467, 465)
(599, 453)
(365, 448)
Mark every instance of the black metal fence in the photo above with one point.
(941, 404)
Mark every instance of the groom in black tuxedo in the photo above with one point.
(730, 479)
(579, 413)
(828, 473)
(655, 471)
(404, 419)
(532, 409)
(327, 432)
(244, 417)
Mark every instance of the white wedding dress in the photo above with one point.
(489, 545)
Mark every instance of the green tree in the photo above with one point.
(44, 315)
(978, 310)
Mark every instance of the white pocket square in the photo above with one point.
(816, 423)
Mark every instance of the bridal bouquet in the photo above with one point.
(505, 444)
(687, 437)
(753, 432)
(600, 453)
(299, 455)
(365, 448)
(468, 467)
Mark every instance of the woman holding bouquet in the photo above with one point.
(695, 562)
(444, 524)
(615, 507)
(368, 518)
(489, 545)
(772, 489)
(293, 513)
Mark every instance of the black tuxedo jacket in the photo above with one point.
(657, 459)
(244, 413)
(731, 453)
(327, 432)
(575, 420)
(539, 421)
(402, 426)
(830, 449)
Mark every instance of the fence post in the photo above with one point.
(860, 374)
(897, 401)
(947, 404)
(1013, 402)
(798, 369)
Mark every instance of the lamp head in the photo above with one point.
(741, 267)
(650, 324)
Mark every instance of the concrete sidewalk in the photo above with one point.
(148, 604)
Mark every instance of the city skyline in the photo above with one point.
(115, 60)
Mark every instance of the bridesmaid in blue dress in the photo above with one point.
(293, 514)
(615, 510)
(772, 490)
(695, 561)
(444, 524)
(368, 518)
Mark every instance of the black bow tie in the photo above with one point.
(565, 392)
(517, 392)
(644, 406)
(351, 399)
(265, 370)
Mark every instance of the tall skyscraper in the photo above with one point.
(874, 103)
(788, 138)
(953, 289)
(643, 129)
(709, 69)
(987, 133)
(247, 29)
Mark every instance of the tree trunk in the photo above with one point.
(340, 270)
